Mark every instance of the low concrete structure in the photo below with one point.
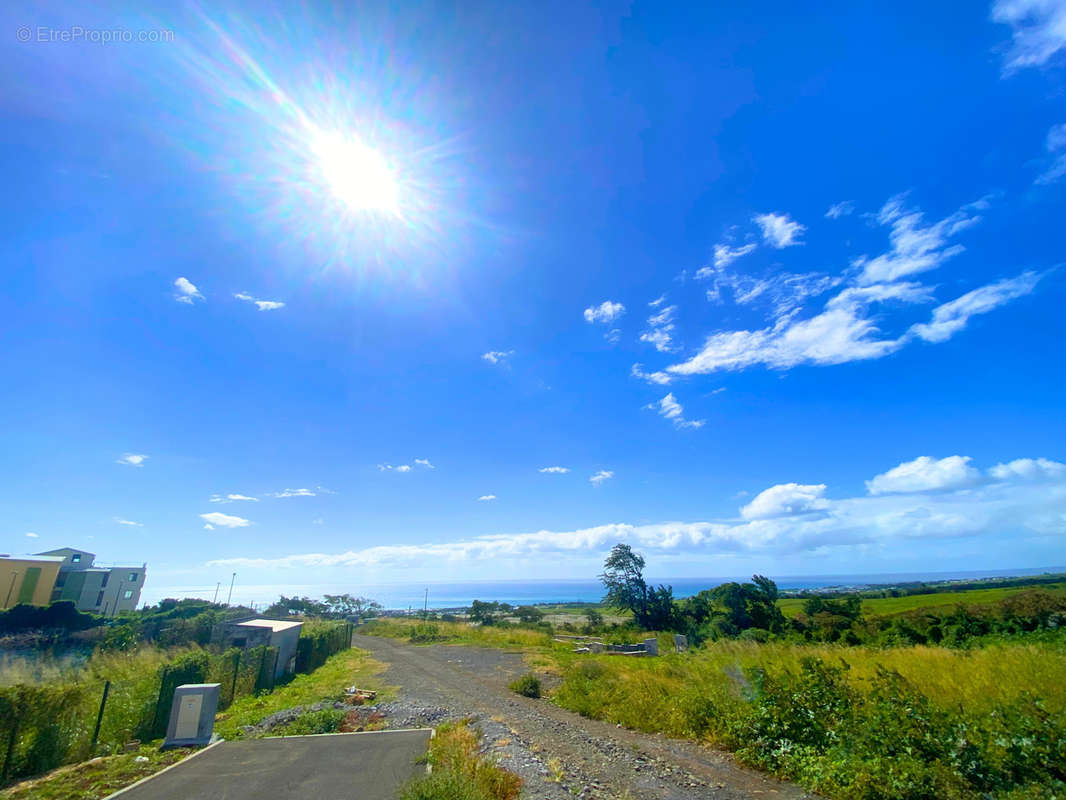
(27, 579)
(192, 714)
(258, 631)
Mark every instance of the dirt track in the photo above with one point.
(559, 754)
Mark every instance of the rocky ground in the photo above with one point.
(557, 753)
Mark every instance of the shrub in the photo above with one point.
(425, 632)
(527, 686)
(459, 772)
(328, 720)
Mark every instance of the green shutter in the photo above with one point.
(29, 584)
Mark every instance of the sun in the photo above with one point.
(357, 174)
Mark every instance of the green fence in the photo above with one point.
(43, 727)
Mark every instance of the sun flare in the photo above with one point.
(358, 175)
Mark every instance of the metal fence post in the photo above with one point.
(11, 739)
(236, 671)
(159, 699)
(100, 717)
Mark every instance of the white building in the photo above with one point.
(99, 590)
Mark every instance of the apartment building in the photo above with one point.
(99, 590)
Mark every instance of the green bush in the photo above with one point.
(425, 632)
(328, 720)
(527, 686)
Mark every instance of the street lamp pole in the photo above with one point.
(231, 580)
(11, 588)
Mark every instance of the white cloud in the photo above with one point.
(1056, 141)
(225, 520)
(232, 498)
(424, 462)
(786, 499)
(295, 493)
(208, 526)
(661, 378)
(31, 535)
(789, 519)
(129, 522)
(849, 328)
(779, 230)
(669, 408)
(724, 255)
(925, 474)
(660, 326)
(839, 210)
(1029, 469)
(132, 459)
(263, 305)
(486, 497)
(1038, 30)
(950, 318)
(607, 311)
(613, 335)
(601, 477)
(658, 301)
(915, 247)
(497, 356)
(403, 468)
(187, 292)
(555, 470)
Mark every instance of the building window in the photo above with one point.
(99, 598)
(74, 559)
(126, 595)
(103, 583)
(133, 577)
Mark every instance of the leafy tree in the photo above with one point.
(623, 578)
(529, 614)
(483, 613)
(594, 617)
(296, 606)
(342, 606)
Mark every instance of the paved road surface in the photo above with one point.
(346, 766)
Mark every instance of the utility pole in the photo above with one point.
(231, 581)
(217, 587)
(425, 608)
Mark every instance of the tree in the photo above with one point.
(529, 614)
(623, 578)
(594, 617)
(342, 606)
(483, 613)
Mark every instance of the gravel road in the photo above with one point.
(559, 754)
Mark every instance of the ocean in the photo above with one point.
(461, 593)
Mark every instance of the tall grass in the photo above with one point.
(458, 633)
(772, 701)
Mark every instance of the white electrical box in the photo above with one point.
(192, 714)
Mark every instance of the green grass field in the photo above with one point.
(885, 606)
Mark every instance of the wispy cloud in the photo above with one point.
(232, 498)
(293, 493)
(916, 247)
(554, 470)
(661, 378)
(1056, 142)
(129, 522)
(497, 356)
(419, 462)
(486, 497)
(779, 230)
(724, 255)
(424, 462)
(784, 519)
(657, 301)
(601, 477)
(670, 409)
(262, 305)
(132, 459)
(1038, 31)
(607, 311)
(225, 520)
(950, 318)
(660, 329)
(187, 293)
(31, 534)
(839, 210)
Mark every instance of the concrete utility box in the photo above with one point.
(651, 647)
(192, 715)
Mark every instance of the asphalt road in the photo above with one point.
(346, 766)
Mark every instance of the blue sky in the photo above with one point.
(329, 296)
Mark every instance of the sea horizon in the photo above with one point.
(454, 594)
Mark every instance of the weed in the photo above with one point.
(527, 686)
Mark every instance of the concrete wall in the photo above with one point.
(286, 642)
(27, 580)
